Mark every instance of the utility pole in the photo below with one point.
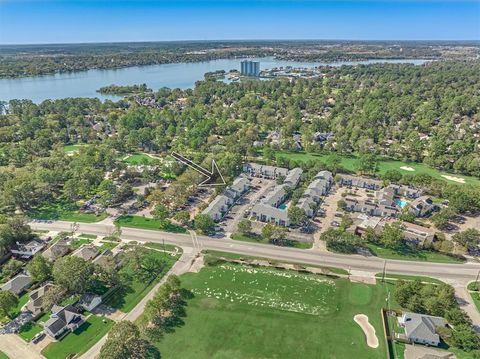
(478, 275)
(384, 271)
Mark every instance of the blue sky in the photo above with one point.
(62, 21)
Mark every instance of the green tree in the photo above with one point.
(392, 235)
(204, 223)
(73, 274)
(367, 164)
(39, 268)
(124, 341)
(469, 238)
(8, 301)
(297, 215)
(244, 226)
(465, 338)
(160, 212)
(183, 217)
(393, 176)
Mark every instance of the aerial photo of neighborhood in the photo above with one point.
(240, 180)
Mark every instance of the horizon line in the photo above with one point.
(233, 40)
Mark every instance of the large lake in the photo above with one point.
(178, 75)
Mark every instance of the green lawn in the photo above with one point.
(29, 330)
(148, 223)
(134, 289)
(107, 245)
(349, 162)
(78, 242)
(3, 356)
(476, 299)
(412, 255)
(409, 277)
(88, 236)
(73, 148)
(80, 340)
(474, 286)
(64, 211)
(140, 159)
(259, 239)
(235, 256)
(246, 312)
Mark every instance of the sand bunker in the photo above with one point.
(406, 168)
(368, 330)
(454, 179)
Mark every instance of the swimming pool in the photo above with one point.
(400, 202)
(282, 206)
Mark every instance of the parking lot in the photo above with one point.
(259, 187)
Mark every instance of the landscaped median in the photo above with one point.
(81, 340)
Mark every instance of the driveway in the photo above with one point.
(16, 348)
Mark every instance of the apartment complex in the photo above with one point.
(318, 188)
(250, 68)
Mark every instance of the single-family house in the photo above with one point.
(422, 206)
(35, 300)
(26, 250)
(90, 301)
(86, 252)
(421, 328)
(62, 321)
(57, 250)
(18, 284)
(104, 258)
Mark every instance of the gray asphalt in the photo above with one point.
(458, 274)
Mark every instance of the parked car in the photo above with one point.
(38, 337)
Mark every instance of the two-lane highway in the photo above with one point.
(458, 274)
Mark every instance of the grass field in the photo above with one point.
(235, 256)
(78, 242)
(474, 286)
(88, 236)
(80, 340)
(3, 356)
(259, 239)
(134, 289)
(140, 159)
(73, 148)
(148, 223)
(29, 330)
(245, 312)
(64, 211)
(410, 255)
(348, 162)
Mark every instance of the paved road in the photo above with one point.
(458, 274)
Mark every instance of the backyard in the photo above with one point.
(80, 340)
(349, 162)
(253, 312)
(133, 289)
